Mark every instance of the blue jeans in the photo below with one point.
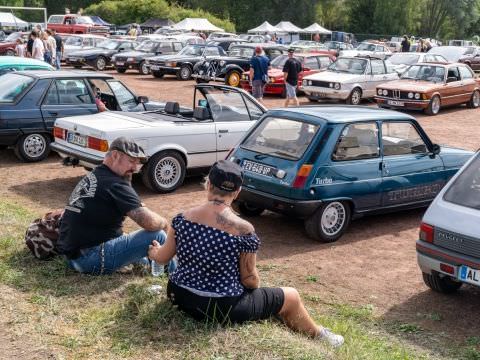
(47, 57)
(124, 250)
(58, 60)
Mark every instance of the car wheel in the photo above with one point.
(121, 70)
(33, 147)
(164, 172)
(434, 106)
(355, 97)
(10, 53)
(445, 284)
(329, 222)
(143, 68)
(233, 78)
(185, 73)
(249, 210)
(158, 74)
(474, 100)
(101, 63)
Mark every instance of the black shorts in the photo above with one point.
(253, 304)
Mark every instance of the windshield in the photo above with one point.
(465, 190)
(192, 51)
(366, 47)
(74, 41)
(12, 86)
(108, 44)
(283, 138)
(146, 46)
(349, 65)
(451, 53)
(280, 61)
(245, 52)
(84, 20)
(425, 72)
(403, 59)
(12, 37)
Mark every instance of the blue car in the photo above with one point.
(17, 63)
(31, 101)
(329, 164)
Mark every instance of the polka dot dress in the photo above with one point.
(208, 258)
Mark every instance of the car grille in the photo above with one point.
(397, 94)
(159, 63)
(118, 58)
(321, 83)
(456, 242)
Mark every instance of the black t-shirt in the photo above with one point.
(58, 39)
(30, 46)
(96, 210)
(292, 67)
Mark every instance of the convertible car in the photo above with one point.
(175, 139)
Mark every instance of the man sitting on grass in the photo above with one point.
(91, 235)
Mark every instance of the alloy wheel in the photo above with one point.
(168, 172)
(333, 218)
(34, 145)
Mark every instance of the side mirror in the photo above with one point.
(142, 99)
(451, 79)
(121, 49)
(202, 103)
(435, 149)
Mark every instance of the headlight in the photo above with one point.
(330, 85)
(337, 86)
(417, 96)
(410, 95)
(384, 92)
(379, 91)
(272, 80)
(130, 59)
(310, 82)
(222, 63)
(171, 63)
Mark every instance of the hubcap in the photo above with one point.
(185, 73)
(167, 172)
(34, 145)
(476, 99)
(435, 105)
(234, 79)
(356, 98)
(333, 218)
(101, 64)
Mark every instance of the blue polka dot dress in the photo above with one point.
(208, 258)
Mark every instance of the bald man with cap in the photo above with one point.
(259, 66)
(91, 232)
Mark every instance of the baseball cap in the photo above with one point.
(129, 147)
(258, 49)
(226, 175)
(291, 50)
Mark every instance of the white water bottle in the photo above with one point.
(157, 269)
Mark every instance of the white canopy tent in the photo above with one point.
(8, 19)
(286, 27)
(264, 28)
(196, 24)
(316, 29)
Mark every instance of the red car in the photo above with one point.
(75, 24)
(311, 63)
(7, 46)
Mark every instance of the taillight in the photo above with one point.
(302, 176)
(426, 232)
(97, 144)
(59, 132)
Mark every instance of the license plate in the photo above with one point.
(258, 168)
(72, 59)
(469, 275)
(155, 67)
(120, 63)
(395, 103)
(76, 139)
(319, 94)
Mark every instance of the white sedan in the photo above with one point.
(350, 79)
(175, 138)
(368, 49)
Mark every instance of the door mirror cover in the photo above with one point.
(142, 99)
(436, 149)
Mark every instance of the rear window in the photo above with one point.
(284, 138)
(12, 86)
(465, 190)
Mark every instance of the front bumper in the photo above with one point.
(76, 157)
(402, 103)
(126, 65)
(320, 93)
(298, 208)
(164, 69)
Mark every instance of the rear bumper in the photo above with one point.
(407, 104)
(298, 208)
(270, 88)
(75, 157)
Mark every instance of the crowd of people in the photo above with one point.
(423, 45)
(45, 45)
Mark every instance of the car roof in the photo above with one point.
(42, 74)
(18, 60)
(442, 64)
(343, 113)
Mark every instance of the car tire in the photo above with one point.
(474, 101)
(10, 53)
(249, 210)
(443, 285)
(33, 147)
(233, 78)
(434, 106)
(121, 70)
(143, 69)
(185, 73)
(329, 222)
(158, 74)
(100, 63)
(164, 172)
(201, 81)
(355, 97)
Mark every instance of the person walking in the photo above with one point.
(405, 44)
(20, 48)
(290, 74)
(420, 45)
(38, 48)
(259, 66)
(59, 49)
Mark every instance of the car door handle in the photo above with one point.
(222, 131)
(54, 113)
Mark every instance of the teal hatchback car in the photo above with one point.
(15, 63)
(329, 164)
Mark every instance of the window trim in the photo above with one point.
(380, 153)
(108, 81)
(421, 133)
(54, 80)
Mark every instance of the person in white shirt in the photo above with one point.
(20, 48)
(51, 46)
(38, 49)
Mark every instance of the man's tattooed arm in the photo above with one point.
(147, 219)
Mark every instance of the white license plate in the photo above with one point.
(395, 103)
(76, 139)
(469, 275)
(155, 67)
(120, 63)
(258, 168)
(319, 94)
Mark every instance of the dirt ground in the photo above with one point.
(374, 263)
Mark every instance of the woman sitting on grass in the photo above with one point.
(216, 277)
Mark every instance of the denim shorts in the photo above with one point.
(291, 90)
(257, 89)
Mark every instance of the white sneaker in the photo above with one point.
(332, 338)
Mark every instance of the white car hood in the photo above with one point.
(333, 77)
